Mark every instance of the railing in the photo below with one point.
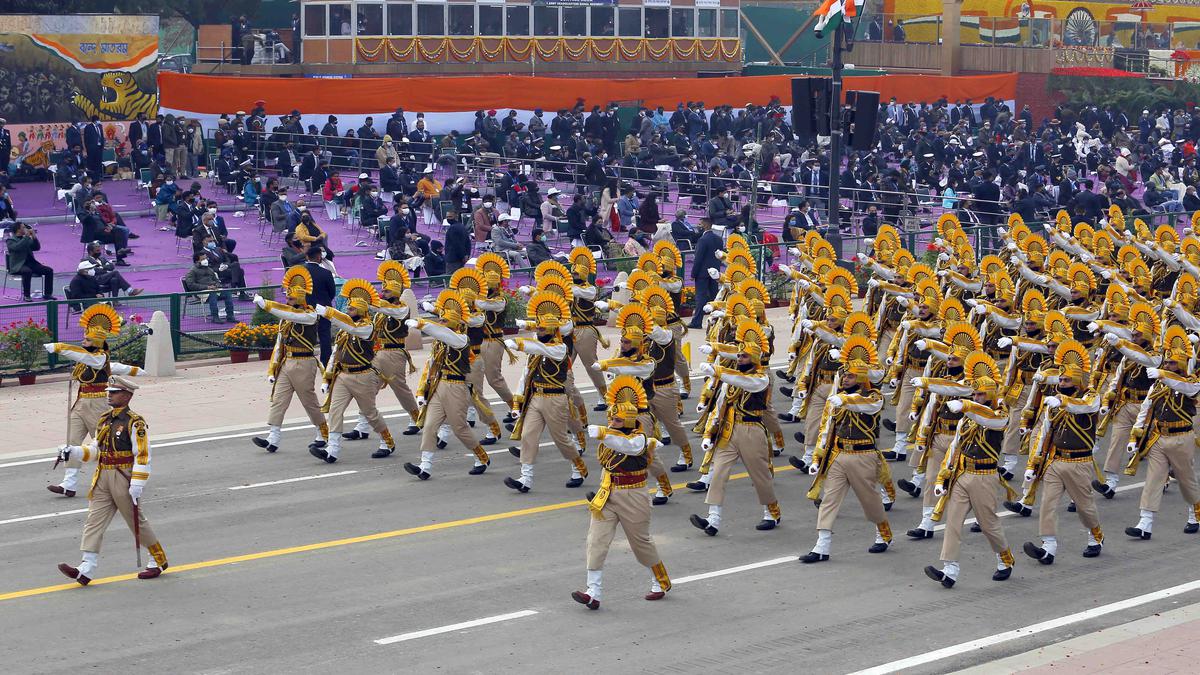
(1078, 29)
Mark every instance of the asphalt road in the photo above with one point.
(316, 575)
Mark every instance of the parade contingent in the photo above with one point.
(1050, 369)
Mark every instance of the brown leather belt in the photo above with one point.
(630, 479)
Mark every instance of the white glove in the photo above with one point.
(1093, 326)
(943, 257)
(806, 324)
(1004, 342)
(921, 344)
(223, 267)
(64, 452)
(1111, 339)
(706, 349)
(873, 282)
(593, 431)
(800, 395)
(320, 310)
(49, 347)
(270, 379)
(427, 307)
(939, 242)
(420, 401)
(917, 382)
(1153, 373)
(786, 269)
(803, 283)
(795, 251)
(713, 273)
(912, 417)
(1104, 410)
(324, 388)
(521, 324)
(708, 308)
(889, 361)
(905, 325)
(836, 400)
(1013, 247)
(699, 407)
(938, 490)
(706, 369)
(835, 354)
(869, 241)
(979, 310)
(1029, 475)
(1023, 431)
(862, 257)
(1052, 401)
(720, 255)
(619, 287)
(706, 444)
(814, 469)
(1048, 226)
(904, 302)
(954, 406)
(601, 306)
(260, 301)
(1193, 338)
(1131, 449)
(1039, 377)
(893, 383)
(411, 323)
(943, 273)
(135, 492)
(1003, 231)
(525, 290)
(1106, 274)
(511, 344)
(1085, 258)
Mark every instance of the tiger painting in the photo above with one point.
(120, 99)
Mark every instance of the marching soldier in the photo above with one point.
(494, 269)
(583, 316)
(1163, 433)
(392, 360)
(442, 393)
(471, 285)
(1123, 399)
(543, 402)
(663, 392)
(122, 452)
(846, 456)
(735, 431)
(622, 498)
(93, 367)
(352, 374)
(1060, 453)
(671, 260)
(909, 362)
(966, 480)
(294, 366)
(1028, 353)
(814, 382)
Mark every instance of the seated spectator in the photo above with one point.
(203, 278)
(505, 243)
(638, 243)
(309, 233)
(682, 230)
(435, 260)
(280, 211)
(551, 210)
(596, 234)
(293, 251)
(332, 192)
(537, 250)
(227, 265)
(83, 286)
(484, 219)
(94, 229)
(20, 261)
(627, 205)
(371, 208)
(165, 198)
(108, 215)
(8, 212)
(106, 275)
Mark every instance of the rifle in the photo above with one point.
(1143, 444)
(1036, 452)
(137, 533)
(947, 484)
(1109, 399)
(59, 458)
(823, 437)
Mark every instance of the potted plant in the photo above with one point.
(130, 343)
(264, 336)
(22, 347)
(861, 276)
(240, 339)
(601, 317)
(687, 301)
(779, 286)
(514, 309)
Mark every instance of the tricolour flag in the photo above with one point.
(831, 12)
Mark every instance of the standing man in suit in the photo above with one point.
(986, 196)
(138, 130)
(74, 137)
(154, 137)
(458, 243)
(705, 258)
(93, 144)
(324, 290)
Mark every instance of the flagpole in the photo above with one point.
(834, 233)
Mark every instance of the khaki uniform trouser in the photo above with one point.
(655, 468)
(448, 405)
(665, 406)
(1074, 478)
(1012, 432)
(393, 364)
(972, 492)
(298, 376)
(885, 341)
(904, 404)
(769, 417)
(577, 409)
(362, 388)
(493, 358)
(546, 411)
(937, 454)
(1178, 454)
(1118, 436)
(629, 507)
(858, 472)
(585, 349)
(748, 442)
(812, 418)
(681, 365)
(81, 422)
(110, 495)
(482, 407)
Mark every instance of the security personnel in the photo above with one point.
(583, 315)
(93, 367)
(909, 363)
(966, 479)
(1028, 351)
(294, 366)
(471, 286)
(352, 374)
(664, 402)
(670, 261)
(622, 498)
(814, 383)
(122, 451)
(494, 269)
(1123, 399)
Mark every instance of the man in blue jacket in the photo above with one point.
(705, 258)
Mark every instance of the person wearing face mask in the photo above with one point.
(280, 211)
(371, 208)
(84, 285)
(1060, 453)
(389, 175)
(89, 377)
(229, 269)
(203, 278)
(484, 219)
(309, 233)
(105, 276)
(536, 249)
(21, 262)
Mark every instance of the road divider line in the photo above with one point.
(404, 637)
(1028, 631)
(335, 543)
(292, 480)
(733, 570)
(1006, 513)
(24, 519)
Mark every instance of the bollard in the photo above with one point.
(160, 353)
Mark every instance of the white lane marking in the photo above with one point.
(1027, 631)
(292, 480)
(1006, 513)
(39, 460)
(733, 570)
(404, 637)
(40, 517)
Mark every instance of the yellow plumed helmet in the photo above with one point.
(1176, 346)
(837, 302)
(735, 274)
(736, 240)
(556, 285)
(1196, 221)
(1144, 319)
(962, 339)
(1126, 253)
(639, 281)
(493, 263)
(1019, 232)
(929, 295)
(1057, 327)
(1116, 218)
(551, 268)
(634, 322)
(859, 356)
(947, 225)
(839, 276)
(625, 397)
(1139, 274)
(659, 302)
(581, 256)
(465, 278)
(1004, 285)
(1167, 238)
(741, 256)
(1186, 289)
(751, 338)
(889, 234)
(952, 310)
(1062, 221)
(1034, 248)
(1014, 220)
(1072, 358)
(1117, 300)
(918, 272)
(822, 249)
(669, 255)
(1190, 247)
(964, 256)
(1058, 265)
(1141, 229)
(549, 310)
(360, 290)
(1081, 277)
(451, 307)
(392, 271)
(811, 237)
(297, 283)
(1034, 306)
(1114, 211)
(983, 373)
(754, 290)
(738, 306)
(821, 267)
(100, 322)
(903, 262)
(959, 239)
(648, 262)
(1103, 245)
(1086, 235)
(859, 323)
(990, 265)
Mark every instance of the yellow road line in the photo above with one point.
(334, 543)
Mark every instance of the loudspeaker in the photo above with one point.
(809, 114)
(866, 115)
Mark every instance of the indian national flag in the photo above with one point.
(830, 13)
